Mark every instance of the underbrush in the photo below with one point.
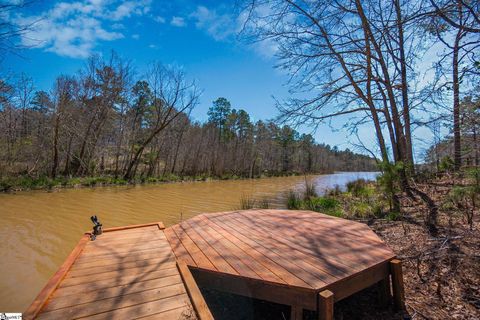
(361, 200)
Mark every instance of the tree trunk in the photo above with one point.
(406, 107)
(55, 147)
(457, 153)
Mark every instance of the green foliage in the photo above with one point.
(358, 188)
(474, 175)
(464, 198)
(336, 191)
(293, 200)
(446, 164)
(327, 205)
(389, 182)
(393, 216)
(309, 191)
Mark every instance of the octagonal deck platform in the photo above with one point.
(300, 258)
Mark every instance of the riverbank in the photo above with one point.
(25, 183)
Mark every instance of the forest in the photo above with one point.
(105, 122)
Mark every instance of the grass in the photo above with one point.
(361, 200)
(247, 203)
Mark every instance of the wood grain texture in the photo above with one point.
(127, 272)
(282, 256)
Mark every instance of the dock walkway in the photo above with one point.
(126, 273)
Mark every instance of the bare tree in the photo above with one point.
(172, 96)
(457, 25)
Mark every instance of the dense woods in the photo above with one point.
(106, 121)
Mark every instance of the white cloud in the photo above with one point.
(73, 29)
(159, 19)
(218, 25)
(135, 36)
(178, 22)
(153, 46)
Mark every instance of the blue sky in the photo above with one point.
(199, 36)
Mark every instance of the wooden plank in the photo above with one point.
(255, 288)
(70, 280)
(325, 305)
(198, 256)
(119, 239)
(110, 304)
(341, 249)
(293, 275)
(139, 258)
(241, 251)
(115, 250)
(326, 228)
(198, 302)
(216, 259)
(89, 261)
(113, 236)
(262, 256)
(133, 228)
(178, 249)
(160, 263)
(312, 275)
(238, 261)
(115, 282)
(62, 301)
(183, 313)
(144, 309)
(397, 284)
(123, 255)
(37, 304)
(337, 254)
(359, 281)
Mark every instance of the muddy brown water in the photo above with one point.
(38, 229)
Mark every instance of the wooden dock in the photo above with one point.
(303, 259)
(299, 258)
(126, 273)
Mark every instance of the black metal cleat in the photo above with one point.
(97, 228)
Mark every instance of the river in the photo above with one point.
(38, 229)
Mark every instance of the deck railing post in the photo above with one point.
(397, 284)
(325, 305)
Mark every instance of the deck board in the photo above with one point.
(283, 255)
(126, 273)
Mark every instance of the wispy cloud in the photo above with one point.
(159, 19)
(73, 29)
(221, 25)
(218, 25)
(178, 22)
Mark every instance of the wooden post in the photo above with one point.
(397, 284)
(296, 313)
(325, 305)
